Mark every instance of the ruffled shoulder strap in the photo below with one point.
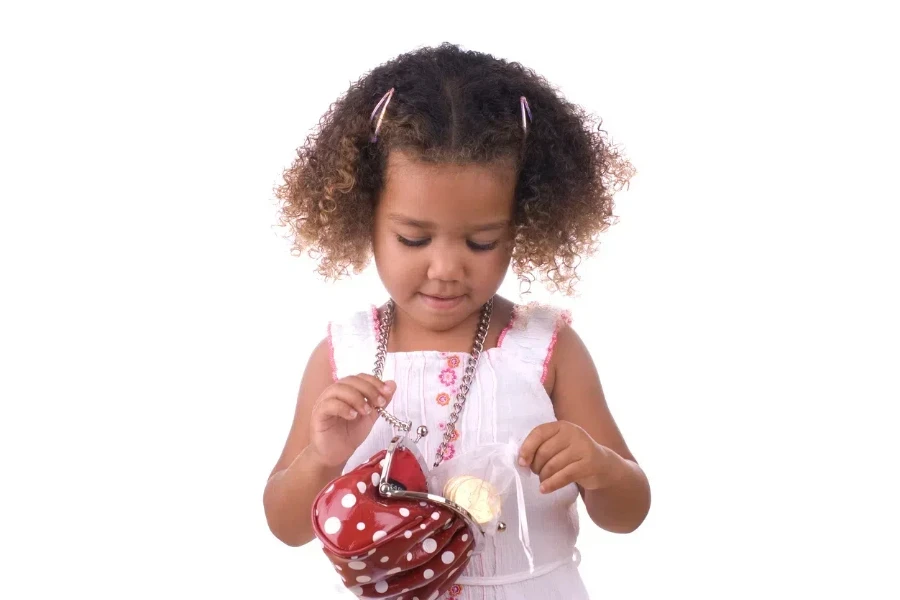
(531, 334)
(353, 344)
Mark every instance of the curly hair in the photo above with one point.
(456, 106)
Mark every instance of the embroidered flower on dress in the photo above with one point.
(449, 452)
(453, 362)
(455, 590)
(443, 399)
(448, 377)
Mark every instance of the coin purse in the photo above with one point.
(388, 535)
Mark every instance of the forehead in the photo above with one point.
(448, 194)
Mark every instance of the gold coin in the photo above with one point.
(452, 485)
(478, 497)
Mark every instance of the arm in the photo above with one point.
(299, 473)
(585, 445)
(331, 420)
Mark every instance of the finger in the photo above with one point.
(538, 436)
(548, 451)
(557, 463)
(371, 389)
(569, 474)
(387, 387)
(350, 395)
(335, 407)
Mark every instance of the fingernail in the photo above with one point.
(523, 462)
(368, 409)
(543, 489)
(387, 388)
(381, 402)
(353, 414)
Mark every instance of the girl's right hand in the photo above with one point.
(342, 418)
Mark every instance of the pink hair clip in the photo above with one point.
(525, 109)
(382, 104)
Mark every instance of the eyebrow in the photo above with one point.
(404, 220)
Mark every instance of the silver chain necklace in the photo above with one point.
(387, 319)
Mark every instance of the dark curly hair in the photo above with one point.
(452, 105)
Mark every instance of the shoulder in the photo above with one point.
(532, 336)
(568, 353)
(351, 342)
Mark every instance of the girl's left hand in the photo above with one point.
(562, 453)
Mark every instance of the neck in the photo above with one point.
(408, 335)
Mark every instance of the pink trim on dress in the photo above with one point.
(334, 376)
(512, 320)
(565, 318)
(376, 321)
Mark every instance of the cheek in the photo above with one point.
(493, 267)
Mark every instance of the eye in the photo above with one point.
(412, 243)
(481, 247)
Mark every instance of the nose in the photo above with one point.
(445, 264)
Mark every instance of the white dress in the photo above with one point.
(506, 401)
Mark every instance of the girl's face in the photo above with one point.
(443, 237)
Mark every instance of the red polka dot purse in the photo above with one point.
(386, 534)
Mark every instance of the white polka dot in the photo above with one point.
(378, 535)
(469, 554)
(428, 574)
(393, 571)
(434, 515)
(408, 534)
(447, 557)
(465, 537)
(376, 479)
(433, 596)
(384, 559)
(381, 463)
(429, 545)
(381, 587)
(348, 501)
(361, 487)
(371, 552)
(332, 525)
(404, 512)
(360, 525)
(363, 579)
(357, 565)
(422, 504)
(338, 568)
(423, 526)
(409, 556)
(356, 590)
(330, 487)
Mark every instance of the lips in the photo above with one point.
(442, 302)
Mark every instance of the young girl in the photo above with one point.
(449, 167)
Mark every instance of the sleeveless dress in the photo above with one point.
(506, 401)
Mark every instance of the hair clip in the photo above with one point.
(382, 104)
(525, 109)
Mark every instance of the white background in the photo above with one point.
(154, 326)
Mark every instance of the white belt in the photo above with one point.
(522, 575)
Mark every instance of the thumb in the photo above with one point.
(388, 391)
